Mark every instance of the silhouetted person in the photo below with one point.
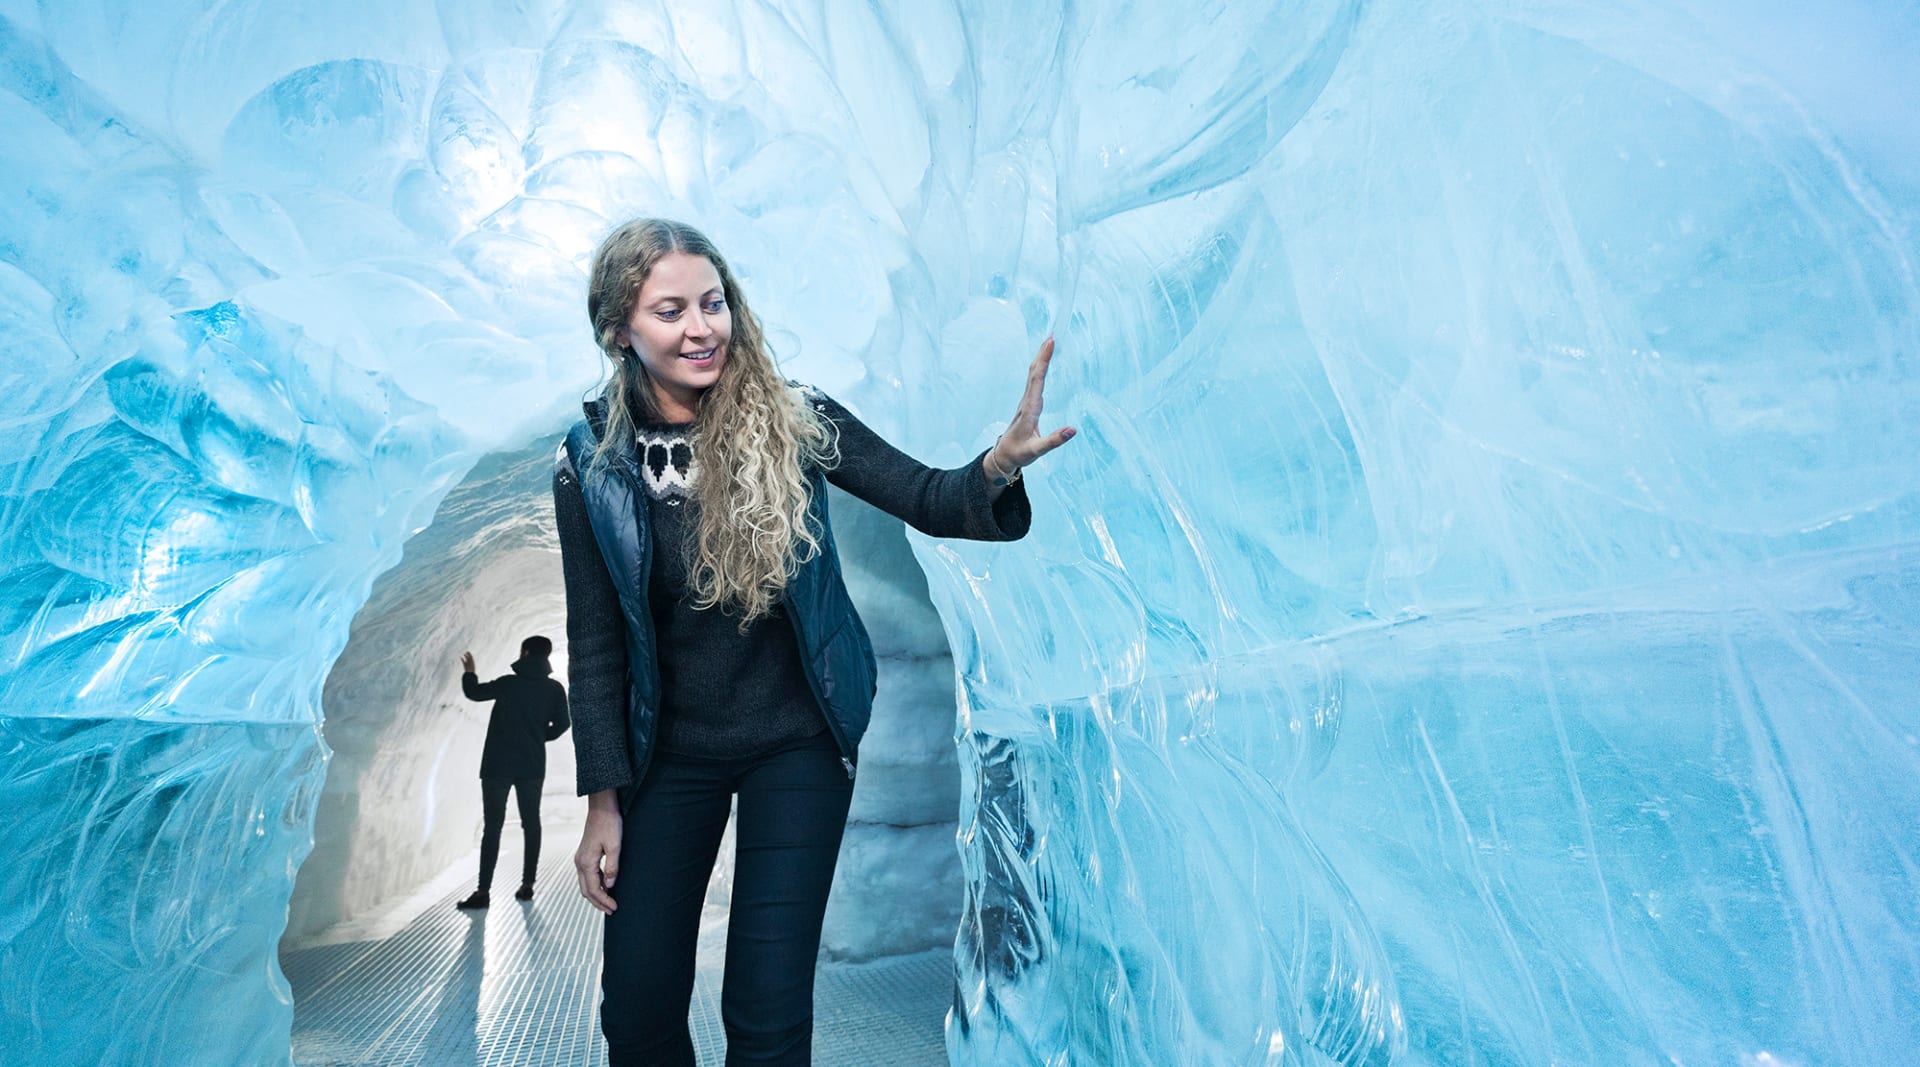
(529, 710)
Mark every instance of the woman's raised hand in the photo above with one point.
(1022, 443)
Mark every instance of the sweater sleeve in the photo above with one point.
(938, 503)
(596, 645)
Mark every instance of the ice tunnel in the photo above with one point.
(1476, 625)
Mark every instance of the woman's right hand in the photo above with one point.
(597, 860)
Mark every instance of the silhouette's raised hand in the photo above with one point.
(466, 662)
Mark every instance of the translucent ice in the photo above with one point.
(1475, 624)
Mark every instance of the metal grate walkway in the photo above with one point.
(518, 985)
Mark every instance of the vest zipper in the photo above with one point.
(645, 538)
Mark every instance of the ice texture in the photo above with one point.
(1475, 624)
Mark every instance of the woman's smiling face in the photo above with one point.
(679, 328)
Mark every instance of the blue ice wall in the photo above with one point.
(1476, 624)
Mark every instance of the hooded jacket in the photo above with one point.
(529, 710)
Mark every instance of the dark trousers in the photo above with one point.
(792, 811)
(493, 806)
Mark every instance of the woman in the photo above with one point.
(713, 651)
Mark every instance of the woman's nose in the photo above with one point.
(697, 324)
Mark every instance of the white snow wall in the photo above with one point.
(1476, 624)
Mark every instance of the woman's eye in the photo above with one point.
(670, 314)
(714, 308)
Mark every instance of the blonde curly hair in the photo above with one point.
(754, 434)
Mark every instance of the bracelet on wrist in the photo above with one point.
(996, 478)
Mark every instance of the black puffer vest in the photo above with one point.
(835, 650)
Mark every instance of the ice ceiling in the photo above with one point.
(1476, 625)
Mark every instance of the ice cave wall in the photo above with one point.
(1472, 626)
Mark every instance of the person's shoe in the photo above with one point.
(525, 892)
(477, 900)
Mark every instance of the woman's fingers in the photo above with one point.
(586, 869)
(595, 864)
(1022, 443)
(593, 890)
(1040, 446)
(1026, 418)
(1032, 400)
(581, 865)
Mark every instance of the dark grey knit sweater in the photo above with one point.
(725, 694)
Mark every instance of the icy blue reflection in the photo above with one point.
(1475, 626)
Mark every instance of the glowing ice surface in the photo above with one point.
(1475, 626)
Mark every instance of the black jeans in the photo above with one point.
(493, 806)
(793, 809)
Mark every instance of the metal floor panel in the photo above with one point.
(518, 985)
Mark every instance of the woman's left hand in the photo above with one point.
(1022, 443)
